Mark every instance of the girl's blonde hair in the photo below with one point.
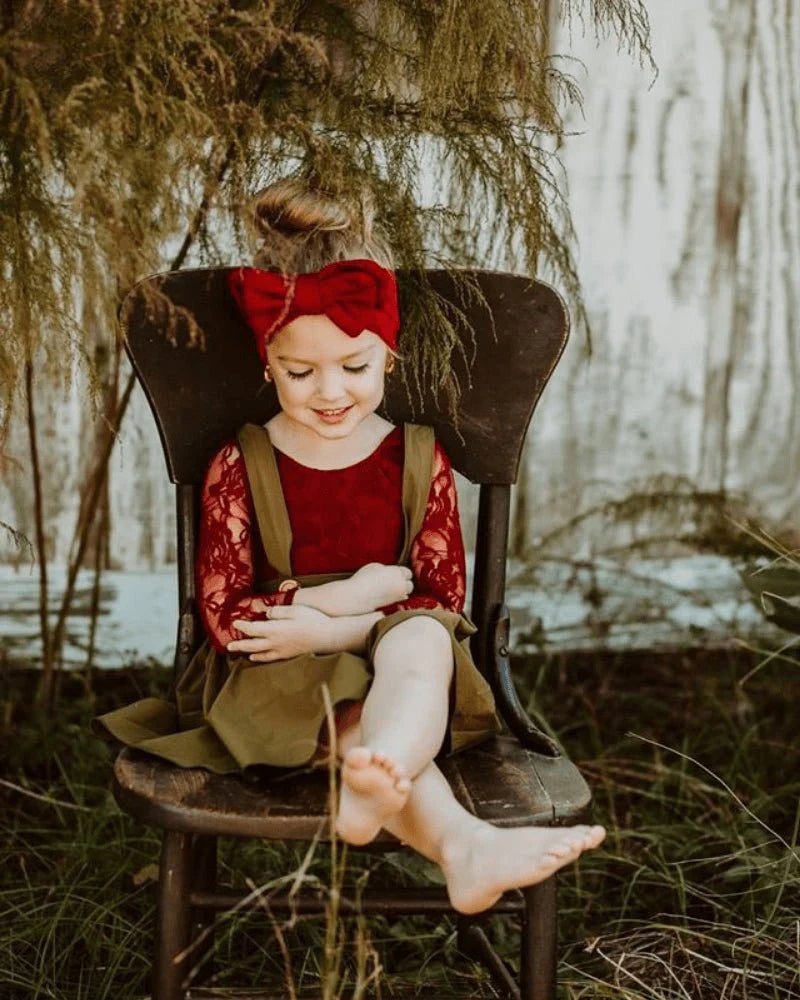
(298, 228)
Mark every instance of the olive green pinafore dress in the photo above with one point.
(230, 714)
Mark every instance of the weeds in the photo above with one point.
(694, 894)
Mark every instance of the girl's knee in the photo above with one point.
(421, 628)
(420, 645)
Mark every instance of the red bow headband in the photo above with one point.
(356, 295)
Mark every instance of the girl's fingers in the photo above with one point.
(258, 645)
(264, 657)
(273, 613)
(251, 628)
(281, 611)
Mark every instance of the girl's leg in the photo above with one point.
(480, 862)
(405, 711)
(402, 726)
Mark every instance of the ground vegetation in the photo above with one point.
(694, 765)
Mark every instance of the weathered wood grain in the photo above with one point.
(497, 781)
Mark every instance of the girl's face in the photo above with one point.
(326, 381)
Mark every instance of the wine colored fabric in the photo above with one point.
(356, 295)
(341, 519)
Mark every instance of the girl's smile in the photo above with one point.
(333, 416)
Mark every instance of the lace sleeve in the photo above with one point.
(225, 563)
(437, 553)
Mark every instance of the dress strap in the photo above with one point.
(417, 476)
(268, 500)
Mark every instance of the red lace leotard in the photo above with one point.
(341, 519)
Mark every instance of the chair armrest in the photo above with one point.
(189, 637)
(505, 692)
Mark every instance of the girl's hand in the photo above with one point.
(289, 630)
(375, 585)
(368, 589)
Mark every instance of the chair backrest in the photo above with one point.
(200, 395)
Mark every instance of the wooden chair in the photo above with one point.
(199, 397)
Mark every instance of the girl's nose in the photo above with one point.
(330, 386)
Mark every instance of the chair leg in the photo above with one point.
(204, 878)
(538, 957)
(173, 916)
(473, 942)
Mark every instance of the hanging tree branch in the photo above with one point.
(90, 500)
(110, 110)
(41, 541)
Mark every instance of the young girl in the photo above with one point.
(331, 557)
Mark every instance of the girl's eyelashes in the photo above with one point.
(354, 371)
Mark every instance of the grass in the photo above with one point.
(694, 895)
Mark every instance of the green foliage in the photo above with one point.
(692, 895)
(775, 585)
(783, 613)
(127, 127)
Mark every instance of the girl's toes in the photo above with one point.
(394, 771)
(358, 757)
(398, 771)
(566, 849)
(591, 836)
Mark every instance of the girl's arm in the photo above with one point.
(363, 592)
(291, 631)
(225, 565)
(437, 553)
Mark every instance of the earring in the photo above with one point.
(267, 373)
(389, 365)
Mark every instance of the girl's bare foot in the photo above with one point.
(481, 862)
(373, 788)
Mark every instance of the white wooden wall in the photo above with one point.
(693, 375)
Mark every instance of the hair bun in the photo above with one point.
(288, 207)
(296, 226)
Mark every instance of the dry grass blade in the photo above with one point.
(720, 781)
(42, 798)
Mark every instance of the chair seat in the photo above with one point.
(499, 781)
